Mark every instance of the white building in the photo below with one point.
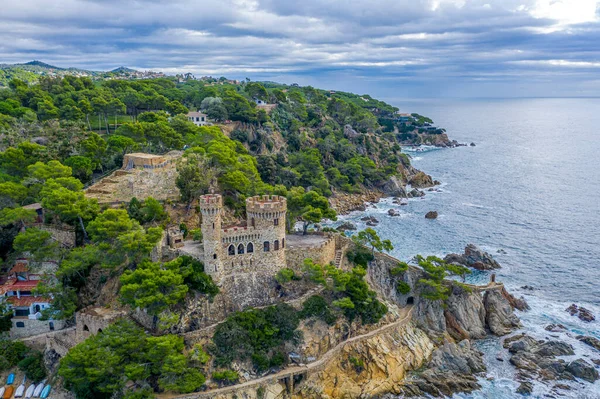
(198, 118)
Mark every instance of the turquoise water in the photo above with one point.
(531, 188)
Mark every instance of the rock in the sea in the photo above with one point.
(414, 193)
(472, 144)
(553, 348)
(393, 212)
(591, 341)
(475, 258)
(581, 312)
(555, 328)
(431, 215)
(421, 180)
(499, 313)
(525, 388)
(346, 226)
(582, 369)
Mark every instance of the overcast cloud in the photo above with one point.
(389, 48)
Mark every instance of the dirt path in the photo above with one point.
(298, 369)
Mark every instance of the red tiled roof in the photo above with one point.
(19, 267)
(25, 300)
(19, 285)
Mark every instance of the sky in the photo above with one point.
(386, 48)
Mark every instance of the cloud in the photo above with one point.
(425, 46)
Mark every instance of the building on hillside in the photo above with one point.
(60, 232)
(17, 293)
(258, 101)
(198, 118)
(404, 117)
(142, 160)
(257, 245)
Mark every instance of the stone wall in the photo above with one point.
(65, 235)
(61, 341)
(93, 320)
(324, 253)
(33, 327)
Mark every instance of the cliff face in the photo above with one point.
(375, 366)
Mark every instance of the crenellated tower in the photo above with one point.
(211, 207)
(267, 214)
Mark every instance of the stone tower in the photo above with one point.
(211, 207)
(266, 214)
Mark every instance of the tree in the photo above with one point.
(152, 287)
(12, 194)
(194, 177)
(256, 91)
(81, 166)
(39, 244)
(370, 237)
(308, 207)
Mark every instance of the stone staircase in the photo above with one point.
(339, 258)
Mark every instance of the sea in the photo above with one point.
(528, 192)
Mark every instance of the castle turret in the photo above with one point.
(267, 215)
(211, 207)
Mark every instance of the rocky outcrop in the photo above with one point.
(414, 193)
(429, 315)
(393, 212)
(465, 314)
(591, 341)
(538, 360)
(581, 312)
(431, 215)
(346, 226)
(453, 368)
(499, 316)
(475, 258)
(393, 187)
(370, 368)
(421, 180)
(344, 203)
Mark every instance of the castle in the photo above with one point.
(259, 245)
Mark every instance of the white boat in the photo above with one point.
(20, 390)
(38, 389)
(2, 391)
(29, 391)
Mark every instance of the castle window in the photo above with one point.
(283, 243)
(253, 223)
(231, 250)
(267, 246)
(214, 256)
(250, 248)
(276, 245)
(276, 222)
(20, 324)
(240, 249)
(213, 226)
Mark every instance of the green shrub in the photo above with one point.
(225, 377)
(33, 367)
(11, 353)
(360, 257)
(399, 269)
(357, 363)
(316, 306)
(403, 287)
(285, 275)
(256, 334)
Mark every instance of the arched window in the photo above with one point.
(240, 249)
(276, 245)
(86, 328)
(253, 223)
(231, 250)
(267, 247)
(214, 256)
(276, 222)
(99, 330)
(250, 248)
(283, 243)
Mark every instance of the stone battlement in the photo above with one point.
(210, 203)
(266, 203)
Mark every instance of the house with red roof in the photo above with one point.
(17, 290)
